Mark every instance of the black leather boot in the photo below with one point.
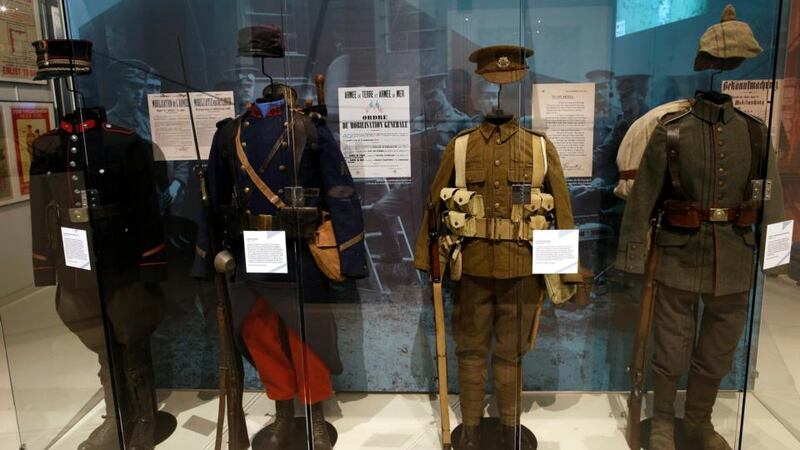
(470, 438)
(509, 437)
(106, 436)
(282, 429)
(319, 428)
(141, 390)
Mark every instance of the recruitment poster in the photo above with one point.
(171, 126)
(28, 122)
(375, 131)
(17, 30)
(567, 112)
(6, 189)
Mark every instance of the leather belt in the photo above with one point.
(81, 215)
(718, 214)
(260, 222)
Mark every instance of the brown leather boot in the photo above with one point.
(700, 398)
(662, 433)
(319, 428)
(282, 429)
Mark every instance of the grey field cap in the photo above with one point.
(726, 44)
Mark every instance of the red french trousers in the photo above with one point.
(286, 365)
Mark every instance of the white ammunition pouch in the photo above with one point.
(458, 199)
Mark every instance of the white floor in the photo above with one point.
(58, 412)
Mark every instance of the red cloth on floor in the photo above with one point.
(284, 363)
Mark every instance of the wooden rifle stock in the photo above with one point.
(639, 358)
(441, 329)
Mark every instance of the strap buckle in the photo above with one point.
(79, 215)
(718, 215)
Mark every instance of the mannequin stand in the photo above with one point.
(490, 435)
(680, 441)
(299, 440)
(165, 425)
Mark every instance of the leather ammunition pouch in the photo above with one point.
(325, 250)
(297, 222)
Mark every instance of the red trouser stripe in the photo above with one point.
(284, 371)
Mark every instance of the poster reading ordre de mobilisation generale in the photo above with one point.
(566, 110)
(375, 131)
(171, 125)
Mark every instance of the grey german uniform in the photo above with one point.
(712, 164)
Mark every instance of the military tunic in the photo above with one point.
(714, 263)
(97, 177)
(497, 294)
(321, 167)
(714, 163)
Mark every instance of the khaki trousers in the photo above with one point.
(499, 308)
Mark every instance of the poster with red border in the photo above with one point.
(19, 26)
(23, 123)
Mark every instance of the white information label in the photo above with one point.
(375, 131)
(171, 126)
(265, 252)
(778, 248)
(555, 251)
(76, 248)
(567, 112)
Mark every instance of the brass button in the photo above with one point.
(101, 171)
(721, 169)
(244, 144)
(247, 189)
(284, 144)
(246, 123)
(285, 124)
(77, 191)
(74, 138)
(525, 175)
(721, 183)
(72, 164)
(496, 184)
(496, 205)
(74, 150)
(496, 162)
(248, 212)
(74, 178)
(282, 167)
(719, 129)
(242, 167)
(722, 155)
(721, 142)
(498, 141)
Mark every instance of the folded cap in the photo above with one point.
(264, 41)
(725, 45)
(59, 58)
(501, 64)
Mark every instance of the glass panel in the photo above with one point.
(772, 394)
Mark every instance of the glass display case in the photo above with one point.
(399, 224)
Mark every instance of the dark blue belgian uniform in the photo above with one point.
(321, 168)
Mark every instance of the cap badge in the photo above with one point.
(503, 62)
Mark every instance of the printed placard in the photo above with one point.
(375, 131)
(265, 252)
(555, 251)
(778, 248)
(76, 248)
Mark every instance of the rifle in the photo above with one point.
(231, 380)
(639, 359)
(438, 314)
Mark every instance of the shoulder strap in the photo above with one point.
(254, 177)
(539, 162)
(461, 160)
(673, 156)
(756, 152)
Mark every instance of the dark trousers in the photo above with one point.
(485, 307)
(675, 325)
